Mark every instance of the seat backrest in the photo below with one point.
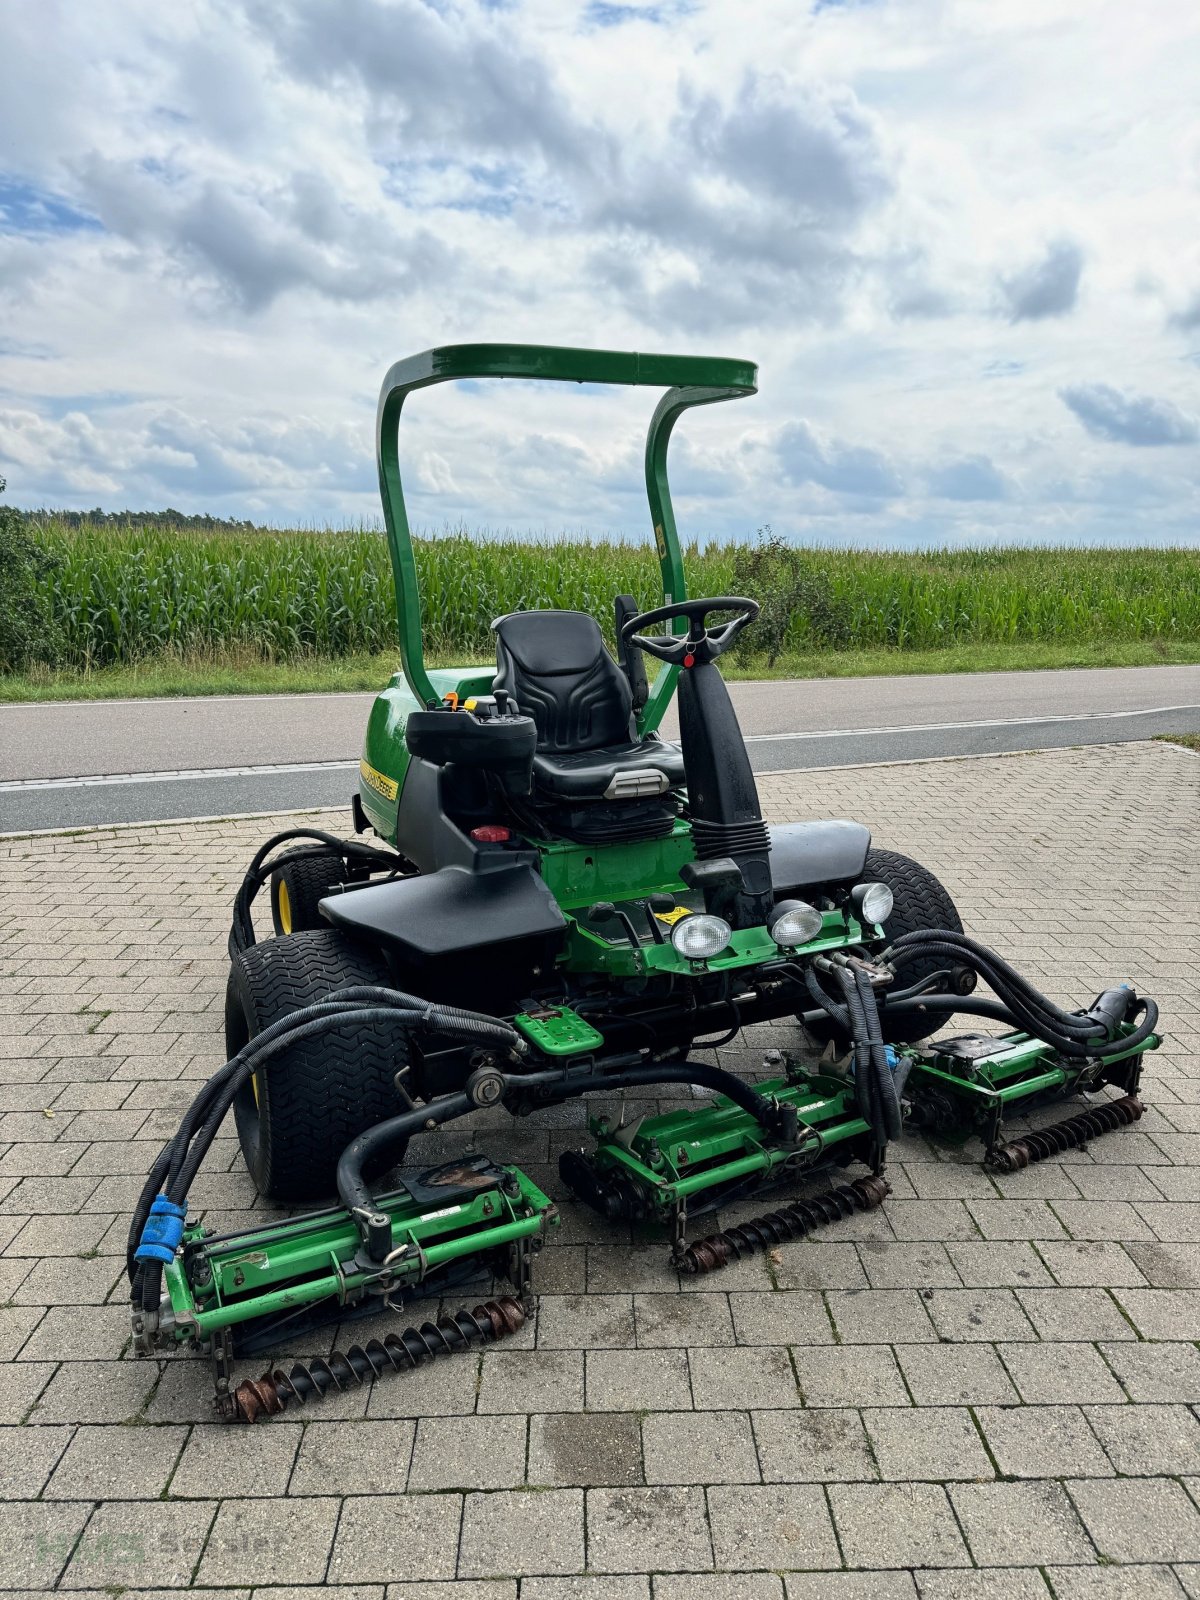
(557, 668)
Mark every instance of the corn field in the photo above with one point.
(118, 595)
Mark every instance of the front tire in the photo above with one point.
(305, 1105)
(920, 902)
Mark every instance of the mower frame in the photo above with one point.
(689, 381)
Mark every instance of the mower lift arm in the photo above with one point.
(689, 380)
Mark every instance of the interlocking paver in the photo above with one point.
(363, 1457)
(956, 1375)
(1156, 1372)
(772, 1526)
(601, 1447)
(998, 1264)
(142, 1543)
(759, 1375)
(1139, 1519)
(483, 1452)
(896, 1525)
(639, 1380)
(813, 1446)
(1015, 1524)
(669, 1524)
(36, 1541)
(1115, 1583)
(939, 1443)
(1144, 1440)
(850, 1586)
(1043, 1441)
(1002, 1583)
(1060, 1374)
(138, 1462)
(380, 1537)
(1078, 1270)
(881, 1316)
(848, 1375)
(704, 1446)
(972, 1316)
(786, 1317)
(514, 1533)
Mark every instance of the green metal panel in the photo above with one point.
(559, 1031)
(285, 1265)
(385, 756)
(748, 947)
(692, 380)
(683, 1153)
(580, 874)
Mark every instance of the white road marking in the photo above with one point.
(946, 727)
(23, 785)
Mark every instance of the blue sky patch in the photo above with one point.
(26, 209)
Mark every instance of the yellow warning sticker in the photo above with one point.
(387, 787)
(676, 914)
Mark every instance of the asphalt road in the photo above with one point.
(79, 763)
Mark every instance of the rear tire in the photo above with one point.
(305, 1105)
(921, 902)
(299, 883)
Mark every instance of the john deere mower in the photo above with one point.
(560, 902)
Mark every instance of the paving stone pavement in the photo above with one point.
(991, 1387)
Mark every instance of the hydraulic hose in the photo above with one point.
(889, 1098)
(352, 852)
(1073, 1034)
(356, 1195)
(176, 1165)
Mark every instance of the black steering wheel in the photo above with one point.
(700, 644)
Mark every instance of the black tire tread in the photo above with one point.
(921, 902)
(309, 879)
(321, 1093)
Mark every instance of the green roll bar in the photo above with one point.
(689, 381)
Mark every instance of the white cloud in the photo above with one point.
(927, 223)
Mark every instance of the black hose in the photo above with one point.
(864, 1084)
(241, 932)
(889, 1098)
(355, 1193)
(177, 1163)
(840, 1014)
(1070, 1033)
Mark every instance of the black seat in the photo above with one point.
(555, 665)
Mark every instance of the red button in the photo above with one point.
(689, 661)
(491, 833)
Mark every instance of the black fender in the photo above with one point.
(806, 854)
(449, 912)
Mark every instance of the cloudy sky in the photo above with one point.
(961, 238)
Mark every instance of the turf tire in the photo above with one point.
(298, 885)
(920, 902)
(315, 1097)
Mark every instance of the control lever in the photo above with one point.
(654, 904)
(604, 911)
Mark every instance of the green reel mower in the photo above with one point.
(561, 903)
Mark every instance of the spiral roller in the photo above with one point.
(348, 1369)
(790, 1222)
(1070, 1134)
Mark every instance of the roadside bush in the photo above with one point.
(26, 631)
(798, 593)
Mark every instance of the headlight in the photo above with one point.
(700, 936)
(872, 902)
(795, 922)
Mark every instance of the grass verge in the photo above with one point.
(239, 673)
(1189, 741)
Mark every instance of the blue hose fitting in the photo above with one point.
(163, 1233)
